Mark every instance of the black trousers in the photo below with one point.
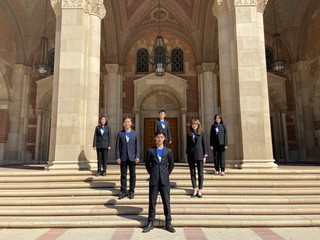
(165, 196)
(192, 166)
(102, 159)
(132, 169)
(219, 158)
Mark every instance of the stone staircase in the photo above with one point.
(281, 197)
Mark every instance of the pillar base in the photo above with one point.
(71, 165)
(258, 164)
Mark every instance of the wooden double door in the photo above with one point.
(149, 135)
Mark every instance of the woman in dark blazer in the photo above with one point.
(219, 143)
(196, 155)
(102, 143)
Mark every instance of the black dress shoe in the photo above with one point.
(98, 173)
(131, 195)
(103, 173)
(122, 195)
(169, 228)
(148, 227)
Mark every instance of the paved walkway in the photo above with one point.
(158, 233)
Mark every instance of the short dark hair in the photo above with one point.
(126, 117)
(159, 132)
(162, 110)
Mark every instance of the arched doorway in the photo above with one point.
(152, 93)
(149, 114)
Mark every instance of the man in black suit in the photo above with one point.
(159, 164)
(163, 125)
(127, 154)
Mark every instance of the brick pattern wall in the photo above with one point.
(4, 126)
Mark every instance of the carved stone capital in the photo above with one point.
(20, 68)
(208, 67)
(56, 6)
(245, 3)
(261, 5)
(93, 7)
(112, 68)
(219, 7)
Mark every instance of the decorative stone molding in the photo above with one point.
(219, 7)
(246, 2)
(19, 68)
(112, 68)
(261, 5)
(94, 7)
(56, 6)
(208, 67)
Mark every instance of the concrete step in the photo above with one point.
(178, 221)
(115, 170)
(145, 191)
(176, 209)
(175, 199)
(173, 184)
(145, 176)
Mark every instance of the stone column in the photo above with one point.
(113, 102)
(17, 138)
(38, 134)
(210, 100)
(184, 134)
(75, 102)
(243, 82)
(304, 122)
(285, 134)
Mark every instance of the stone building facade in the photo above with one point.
(220, 66)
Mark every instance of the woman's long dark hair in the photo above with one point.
(106, 124)
(215, 117)
(199, 130)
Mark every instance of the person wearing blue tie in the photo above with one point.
(102, 143)
(219, 143)
(163, 125)
(159, 164)
(196, 155)
(127, 154)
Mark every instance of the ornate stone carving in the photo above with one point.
(72, 3)
(112, 68)
(219, 7)
(208, 67)
(159, 101)
(94, 7)
(246, 3)
(261, 5)
(19, 68)
(56, 5)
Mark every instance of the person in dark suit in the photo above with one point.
(127, 154)
(219, 143)
(163, 125)
(102, 143)
(159, 164)
(196, 155)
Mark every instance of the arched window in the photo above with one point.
(177, 60)
(269, 57)
(142, 61)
